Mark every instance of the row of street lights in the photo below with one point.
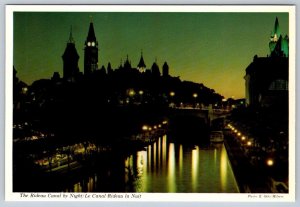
(150, 128)
(247, 142)
(132, 92)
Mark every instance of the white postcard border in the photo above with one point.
(189, 197)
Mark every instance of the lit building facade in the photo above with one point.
(266, 79)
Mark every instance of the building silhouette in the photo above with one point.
(165, 70)
(127, 64)
(90, 51)
(155, 69)
(141, 66)
(70, 60)
(266, 78)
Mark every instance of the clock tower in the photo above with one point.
(90, 52)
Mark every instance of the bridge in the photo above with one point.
(209, 115)
(194, 124)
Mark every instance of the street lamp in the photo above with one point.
(195, 95)
(270, 162)
(131, 92)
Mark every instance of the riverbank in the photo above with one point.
(250, 178)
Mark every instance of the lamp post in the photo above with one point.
(195, 95)
(172, 94)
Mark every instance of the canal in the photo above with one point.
(162, 166)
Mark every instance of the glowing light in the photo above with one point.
(159, 150)
(239, 134)
(223, 169)
(141, 164)
(195, 162)
(141, 92)
(180, 159)
(164, 151)
(172, 93)
(131, 92)
(270, 162)
(150, 128)
(195, 95)
(149, 157)
(171, 169)
(164, 122)
(159, 126)
(154, 155)
(249, 143)
(155, 127)
(243, 138)
(145, 128)
(24, 90)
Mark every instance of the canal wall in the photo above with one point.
(250, 178)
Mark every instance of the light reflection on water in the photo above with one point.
(178, 168)
(170, 167)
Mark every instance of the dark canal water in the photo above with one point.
(163, 166)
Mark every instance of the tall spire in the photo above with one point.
(71, 40)
(91, 35)
(127, 64)
(278, 44)
(276, 27)
(141, 66)
(276, 31)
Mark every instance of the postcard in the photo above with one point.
(150, 103)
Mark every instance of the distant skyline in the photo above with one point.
(209, 48)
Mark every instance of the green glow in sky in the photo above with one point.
(209, 48)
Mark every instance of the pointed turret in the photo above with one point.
(155, 69)
(91, 34)
(109, 69)
(165, 70)
(141, 66)
(127, 64)
(276, 28)
(275, 35)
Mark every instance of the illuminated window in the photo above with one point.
(279, 85)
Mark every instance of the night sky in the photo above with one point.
(209, 48)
